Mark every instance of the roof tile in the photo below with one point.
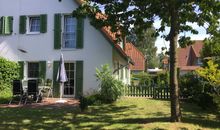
(136, 55)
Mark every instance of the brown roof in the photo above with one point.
(182, 56)
(187, 56)
(136, 56)
(197, 47)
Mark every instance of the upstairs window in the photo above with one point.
(69, 32)
(34, 24)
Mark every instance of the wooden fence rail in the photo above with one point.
(148, 91)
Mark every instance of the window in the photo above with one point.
(121, 72)
(126, 73)
(69, 34)
(33, 69)
(34, 24)
(199, 61)
(69, 85)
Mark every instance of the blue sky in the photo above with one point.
(162, 43)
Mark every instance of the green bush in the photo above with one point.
(199, 91)
(83, 103)
(206, 101)
(8, 71)
(190, 85)
(110, 88)
(161, 80)
(143, 78)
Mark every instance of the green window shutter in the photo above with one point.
(79, 35)
(42, 70)
(79, 79)
(1, 25)
(21, 72)
(43, 23)
(56, 90)
(22, 24)
(57, 31)
(8, 22)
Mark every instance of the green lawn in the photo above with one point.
(127, 113)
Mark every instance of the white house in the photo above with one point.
(35, 32)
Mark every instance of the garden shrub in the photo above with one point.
(190, 85)
(9, 71)
(211, 78)
(110, 88)
(199, 91)
(143, 78)
(205, 101)
(161, 80)
(92, 99)
(83, 103)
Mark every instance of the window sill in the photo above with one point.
(69, 49)
(33, 33)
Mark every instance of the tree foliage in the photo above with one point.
(211, 49)
(123, 15)
(211, 74)
(145, 42)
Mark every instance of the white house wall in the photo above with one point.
(40, 47)
(118, 59)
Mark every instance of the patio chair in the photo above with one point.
(49, 87)
(32, 90)
(17, 91)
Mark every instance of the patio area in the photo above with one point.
(45, 103)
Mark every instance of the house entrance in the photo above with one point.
(69, 86)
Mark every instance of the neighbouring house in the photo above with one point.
(137, 57)
(188, 58)
(35, 32)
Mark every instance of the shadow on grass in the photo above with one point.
(104, 117)
(33, 119)
(195, 115)
(97, 117)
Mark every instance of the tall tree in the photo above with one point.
(175, 14)
(145, 42)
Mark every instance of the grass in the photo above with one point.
(127, 113)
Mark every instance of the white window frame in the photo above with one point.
(28, 25)
(64, 31)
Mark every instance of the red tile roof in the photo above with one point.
(136, 55)
(186, 56)
(197, 47)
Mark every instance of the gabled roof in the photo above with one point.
(186, 56)
(110, 36)
(136, 56)
(197, 47)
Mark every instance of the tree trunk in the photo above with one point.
(175, 103)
